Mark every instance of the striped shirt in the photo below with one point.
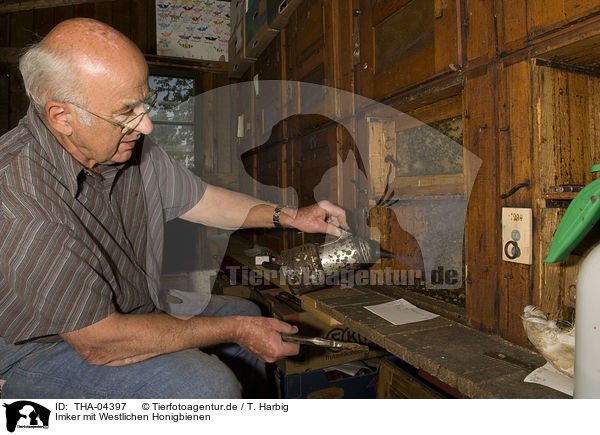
(76, 246)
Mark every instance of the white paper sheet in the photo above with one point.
(400, 312)
(550, 377)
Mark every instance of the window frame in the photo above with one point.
(196, 76)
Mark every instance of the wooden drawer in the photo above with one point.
(396, 382)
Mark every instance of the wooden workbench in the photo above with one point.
(476, 364)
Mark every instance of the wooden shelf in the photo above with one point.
(558, 199)
(562, 196)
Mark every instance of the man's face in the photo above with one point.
(116, 95)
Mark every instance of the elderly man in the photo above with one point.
(83, 197)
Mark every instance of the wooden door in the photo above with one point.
(404, 42)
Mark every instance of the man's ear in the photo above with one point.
(59, 117)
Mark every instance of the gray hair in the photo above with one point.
(49, 75)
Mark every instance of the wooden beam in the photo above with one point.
(10, 54)
(482, 242)
(211, 66)
(7, 8)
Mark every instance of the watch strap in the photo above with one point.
(276, 214)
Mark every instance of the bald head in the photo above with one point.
(94, 46)
(78, 33)
(75, 54)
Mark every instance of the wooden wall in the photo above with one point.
(524, 75)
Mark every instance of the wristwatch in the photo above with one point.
(276, 214)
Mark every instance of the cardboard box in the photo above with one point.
(280, 11)
(315, 357)
(238, 61)
(256, 27)
(326, 385)
(238, 12)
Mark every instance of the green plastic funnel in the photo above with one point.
(581, 215)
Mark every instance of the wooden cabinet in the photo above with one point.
(478, 28)
(269, 65)
(306, 50)
(418, 162)
(314, 157)
(541, 18)
(566, 135)
(319, 51)
(519, 24)
(405, 42)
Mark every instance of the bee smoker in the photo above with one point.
(311, 266)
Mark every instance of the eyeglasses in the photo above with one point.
(132, 124)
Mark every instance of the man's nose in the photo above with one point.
(145, 126)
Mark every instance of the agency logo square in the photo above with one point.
(25, 414)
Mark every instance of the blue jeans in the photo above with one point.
(55, 370)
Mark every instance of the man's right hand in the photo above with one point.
(121, 339)
(261, 336)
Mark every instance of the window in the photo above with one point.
(176, 115)
(176, 119)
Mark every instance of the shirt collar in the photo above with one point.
(67, 168)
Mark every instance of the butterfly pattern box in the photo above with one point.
(193, 29)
